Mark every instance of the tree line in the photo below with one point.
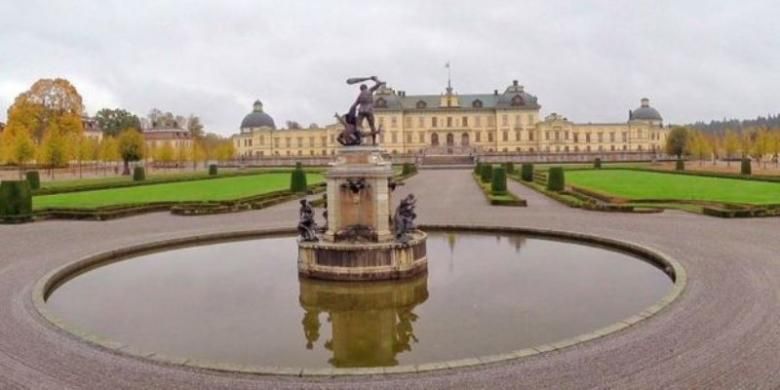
(46, 128)
(759, 144)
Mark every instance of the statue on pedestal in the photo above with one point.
(307, 227)
(404, 218)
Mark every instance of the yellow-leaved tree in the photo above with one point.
(131, 147)
(730, 145)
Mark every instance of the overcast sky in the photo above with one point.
(588, 60)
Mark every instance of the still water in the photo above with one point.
(242, 302)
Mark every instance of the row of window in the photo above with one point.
(450, 121)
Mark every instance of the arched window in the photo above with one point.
(421, 104)
(381, 103)
(517, 100)
(476, 103)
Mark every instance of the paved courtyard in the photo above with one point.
(723, 332)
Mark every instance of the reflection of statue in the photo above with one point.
(311, 327)
(370, 322)
(404, 218)
(307, 228)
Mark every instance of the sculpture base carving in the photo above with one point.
(363, 261)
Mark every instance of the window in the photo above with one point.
(531, 137)
(393, 121)
(518, 120)
(311, 142)
(408, 138)
(490, 136)
(421, 104)
(530, 119)
(478, 136)
(576, 137)
(504, 120)
(333, 138)
(324, 140)
(276, 142)
(587, 139)
(421, 137)
(434, 122)
(421, 122)
(505, 136)
(300, 142)
(612, 138)
(465, 121)
(394, 137)
(300, 152)
(408, 122)
(449, 121)
(518, 136)
(624, 137)
(381, 121)
(491, 121)
(557, 135)
(478, 119)
(600, 137)
(477, 103)
(546, 135)
(287, 141)
(262, 140)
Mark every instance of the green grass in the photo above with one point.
(200, 190)
(637, 186)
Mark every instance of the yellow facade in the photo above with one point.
(449, 123)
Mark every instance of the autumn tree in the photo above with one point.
(699, 145)
(113, 121)
(130, 145)
(730, 145)
(54, 150)
(48, 102)
(677, 141)
(225, 151)
(109, 150)
(165, 153)
(195, 127)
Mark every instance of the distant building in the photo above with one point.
(178, 139)
(450, 123)
(92, 128)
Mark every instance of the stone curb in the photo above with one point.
(44, 286)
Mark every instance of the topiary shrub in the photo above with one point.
(510, 167)
(527, 172)
(34, 178)
(679, 165)
(139, 174)
(498, 182)
(478, 168)
(212, 169)
(597, 163)
(745, 168)
(486, 173)
(15, 201)
(407, 169)
(555, 179)
(298, 179)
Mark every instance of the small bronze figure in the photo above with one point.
(404, 218)
(307, 227)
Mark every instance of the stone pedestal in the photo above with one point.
(359, 243)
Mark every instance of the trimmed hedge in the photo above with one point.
(555, 179)
(597, 163)
(679, 165)
(478, 168)
(213, 169)
(486, 173)
(408, 169)
(139, 174)
(298, 179)
(510, 167)
(34, 178)
(745, 168)
(498, 181)
(498, 199)
(527, 172)
(15, 201)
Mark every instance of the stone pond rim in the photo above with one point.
(53, 279)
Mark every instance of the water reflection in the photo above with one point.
(370, 322)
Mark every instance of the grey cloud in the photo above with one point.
(589, 60)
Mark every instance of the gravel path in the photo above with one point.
(723, 332)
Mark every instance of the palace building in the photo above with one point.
(449, 123)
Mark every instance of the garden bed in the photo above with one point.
(507, 199)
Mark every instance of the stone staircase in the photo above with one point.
(447, 160)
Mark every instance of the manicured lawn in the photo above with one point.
(199, 190)
(638, 185)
